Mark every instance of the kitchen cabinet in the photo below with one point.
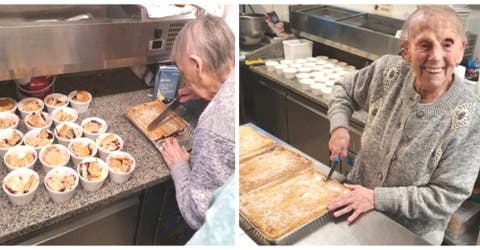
(308, 127)
(265, 104)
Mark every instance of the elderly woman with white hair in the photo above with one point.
(204, 52)
(420, 149)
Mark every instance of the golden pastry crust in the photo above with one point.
(20, 159)
(17, 184)
(92, 171)
(289, 203)
(6, 104)
(56, 101)
(81, 149)
(82, 96)
(252, 143)
(37, 120)
(93, 126)
(41, 139)
(61, 183)
(31, 105)
(53, 156)
(63, 116)
(120, 163)
(7, 122)
(266, 167)
(10, 141)
(68, 132)
(109, 143)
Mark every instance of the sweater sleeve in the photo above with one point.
(451, 182)
(353, 92)
(195, 183)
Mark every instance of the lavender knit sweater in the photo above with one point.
(421, 159)
(212, 158)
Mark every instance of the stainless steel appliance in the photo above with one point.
(54, 39)
(252, 28)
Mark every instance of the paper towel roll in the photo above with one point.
(460, 71)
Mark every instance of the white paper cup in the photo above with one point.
(289, 73)
(311, 59)
(304, 70)
(58, 118)
(271, 65)
(85, 141)
(322, 58)
(88, 185)
(286, 62)
(21, 198)
(8, 120)
(305, 83)
(8, 133)
(45, 116)
(30, 136)
(309, 65)
(8, 105)
(23, 111)
(300, 60)
(316, 88)
(303, 76)
(19, 151)
(116, 175)
(80, 107)
(59, 196)
(93, 134)
(55, 100)
(279, 68)
(104, 152)
(65, 141)
(47, 166)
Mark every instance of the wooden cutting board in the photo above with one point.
(143, 114)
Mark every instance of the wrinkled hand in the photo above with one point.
(186, 94)
(339, 142)
(172, 152)
(360, 200)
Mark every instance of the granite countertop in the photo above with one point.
(150, 170)
(359, 117)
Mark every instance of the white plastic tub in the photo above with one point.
(297, 48)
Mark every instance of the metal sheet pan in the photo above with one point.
(288, 238)
(185, 137)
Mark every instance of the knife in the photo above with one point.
(333, 165)
(171, 106)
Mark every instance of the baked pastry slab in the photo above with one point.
(252, 143)
(286, 204)
(264, 168)
(143, 114)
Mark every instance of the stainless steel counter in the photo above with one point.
(372, 228)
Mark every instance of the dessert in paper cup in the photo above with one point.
(66, 132)
(81, 148)
(61, 183)
(29, 105)
(38, 138)
(38, 120)
(20, 185)
(93, 127)
(20, 157)
(80, 100)
(107, 143)
(121, 165)
(55, 100)
(64, 114)
(9, 138)
(8, 120)
(93, 172)
(8, 105)
(53, 156)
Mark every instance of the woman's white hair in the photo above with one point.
(211, 39)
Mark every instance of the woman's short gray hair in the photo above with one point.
(434, 10)
(211, 38)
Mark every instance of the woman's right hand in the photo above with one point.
(339, 142)
(186, 94)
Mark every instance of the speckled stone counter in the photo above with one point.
(150, 170)
(358, 117)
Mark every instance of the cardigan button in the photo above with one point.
(420, 114)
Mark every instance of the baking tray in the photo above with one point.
(185, 137)
(288, 238)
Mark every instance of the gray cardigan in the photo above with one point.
(421, 159)
(212, 158)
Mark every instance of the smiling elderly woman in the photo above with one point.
(421, 143)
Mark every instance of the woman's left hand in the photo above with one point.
(360, 200)
(172, 152)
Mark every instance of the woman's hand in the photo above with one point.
(186, 94)
(360, 200)
(339, 142)
(172, 152)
